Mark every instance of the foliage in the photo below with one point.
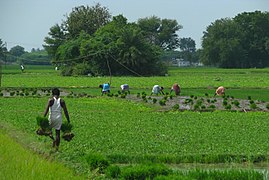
(86, 19)
(55, 38)
(160, 32)
(17, 51)
(188, 49)
(38, 57)
(239, 42)
(119, 48)
(3, 49)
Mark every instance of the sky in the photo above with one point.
(27, 22)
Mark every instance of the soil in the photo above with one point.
(203, 104)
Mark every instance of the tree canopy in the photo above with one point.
(161, 32)
(240, 42)
(90, 42)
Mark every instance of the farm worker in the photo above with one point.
(157, 89)
(105, 88)
(220, 91)
(175, 88)
(124, 88)
(22, 68)
(54, 107)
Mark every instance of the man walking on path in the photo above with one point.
(54, 107)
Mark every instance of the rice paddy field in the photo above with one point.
(129, 139)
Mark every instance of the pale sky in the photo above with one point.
(27, 22)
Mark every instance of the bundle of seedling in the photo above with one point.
(66, 129)
(43, 126)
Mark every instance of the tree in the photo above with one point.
(3, 50)
(161, 32)
(188, 49)
(36, 57)
(17, 51)
(54, 40)
(87, 19)
(237, 43)
(120, 48)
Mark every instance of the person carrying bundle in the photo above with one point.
(54, 107)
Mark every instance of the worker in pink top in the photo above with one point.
(176, 89)
(54, 107)
(220, 91)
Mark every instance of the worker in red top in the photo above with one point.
(176, 89)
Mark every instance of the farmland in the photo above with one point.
(128, 132)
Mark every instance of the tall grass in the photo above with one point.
(19, 163)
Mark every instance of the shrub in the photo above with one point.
(97, 161)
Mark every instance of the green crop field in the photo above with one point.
(136, 136)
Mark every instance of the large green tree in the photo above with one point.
(240, 42)
(87, 19)
(121, 49)
(55, 38)
(81, 19)
(188, 49)
(161, 32)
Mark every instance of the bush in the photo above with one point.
(67, 71)
(81, 69)
(97, 161)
